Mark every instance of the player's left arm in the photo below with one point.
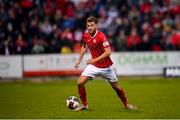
(107, 52)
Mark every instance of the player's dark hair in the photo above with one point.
(92, 19)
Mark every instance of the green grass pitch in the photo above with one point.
(156, 97)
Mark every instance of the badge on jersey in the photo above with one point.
(106, 44)
(94, 41)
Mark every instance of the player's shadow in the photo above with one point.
(112, 110)
(117, 110)
(126, 110)
(87, 110)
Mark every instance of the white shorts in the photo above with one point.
(107, 73)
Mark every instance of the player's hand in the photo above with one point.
(90, 61)
(76, 66)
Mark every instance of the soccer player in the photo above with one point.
(100, 63)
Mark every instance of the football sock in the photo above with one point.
(121, 94)
(82, 94)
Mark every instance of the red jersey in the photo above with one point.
(96, 44)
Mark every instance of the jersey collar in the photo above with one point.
(94, 34)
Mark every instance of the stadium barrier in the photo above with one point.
(125, 63)
(11, 66)
(50, 65)
(144, 63)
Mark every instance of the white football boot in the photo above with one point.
(81, 107)
(129, 106)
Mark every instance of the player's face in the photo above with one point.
(91, 26)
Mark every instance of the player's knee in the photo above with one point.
(82, 80)
(80, 84)
(115, 87)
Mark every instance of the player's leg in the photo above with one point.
(120, 92)
(110, 75)
(89, 72)
(81, 88)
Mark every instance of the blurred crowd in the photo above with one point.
(57, 26)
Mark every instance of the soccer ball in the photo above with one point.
(72, 102)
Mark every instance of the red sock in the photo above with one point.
(122, 96)
(82, 94)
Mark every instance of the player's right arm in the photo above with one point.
(82, 52)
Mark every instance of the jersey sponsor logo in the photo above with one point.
(105, 44)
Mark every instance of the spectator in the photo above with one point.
(67, 38)
(38, 46)
(156, 38)
(175, 38)
(54, 46)
(20, 45)
(7, 48)
(133, 41)
(145, 43)
(78, 35)
(155, 18)
(134, 14)
(121, 41)
(66, 49)
(46, 26)
(145, 7)
(146, 28)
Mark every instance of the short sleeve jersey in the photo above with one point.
(96, 44)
